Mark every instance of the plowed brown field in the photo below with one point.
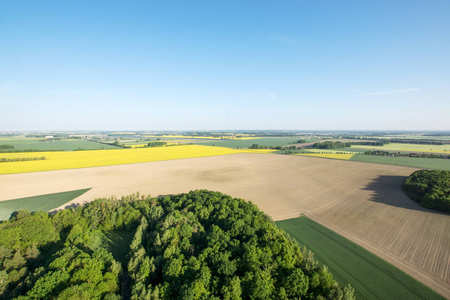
(364, 202)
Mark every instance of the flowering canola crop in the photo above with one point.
(96, 158)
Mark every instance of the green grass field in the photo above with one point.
(352, 149)
(61, 145)
(41, 202)
(369, 275)
(269, 142)
(424, 163)
(136, 142)
(407, 147)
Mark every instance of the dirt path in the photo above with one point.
(362, 201)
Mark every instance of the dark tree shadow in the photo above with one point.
(162, 196)
(73, 205)
(387, 189)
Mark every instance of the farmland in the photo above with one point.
(409, 148)
(352, 264)
(363, 202)
(426, 163)
(334, 155)
(245, 143)
(85, 159)
(222, 137)
(57, 145)
(35, 203)
(358, 151)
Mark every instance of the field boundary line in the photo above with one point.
(433, 282)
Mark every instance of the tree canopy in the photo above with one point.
(199, 245)
(431, 188)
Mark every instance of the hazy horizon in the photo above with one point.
(255, 65)
(237, 131)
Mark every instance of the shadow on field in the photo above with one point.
(165, 195)
(388, 190)
(73, 205)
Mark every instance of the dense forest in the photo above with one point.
(199, 245)
(431, 188)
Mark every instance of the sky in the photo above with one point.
(224, 65)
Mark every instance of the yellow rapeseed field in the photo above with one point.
(137, 146)
(329, 155)
(96, 158)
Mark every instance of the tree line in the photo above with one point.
(15, 159)
(330, 145)
(3, 147)
(257, 146)
(416, 141)
(376, 144)
(199, 245)
(430, 188)
(400, 154)
(156, 144)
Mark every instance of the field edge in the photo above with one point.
(431, 281)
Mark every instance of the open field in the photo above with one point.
(355, 154)
(333, 155)
(351, 154)
(415, 162)
(361, 201)
(35, 203)
(352, 149)
(85, 159)
(137, 145)
(408, 148)
(245, 143)
(226, 137)
(354, 265)
(59, 145)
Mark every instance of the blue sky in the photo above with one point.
(224, 65)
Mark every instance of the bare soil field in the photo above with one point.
(361, 201)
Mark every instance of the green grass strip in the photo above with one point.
(416, 162)
(370, 276)
(35, 203)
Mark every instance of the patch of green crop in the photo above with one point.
(416, 162)
(370, 276)
(42, 202)
(58, 145)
